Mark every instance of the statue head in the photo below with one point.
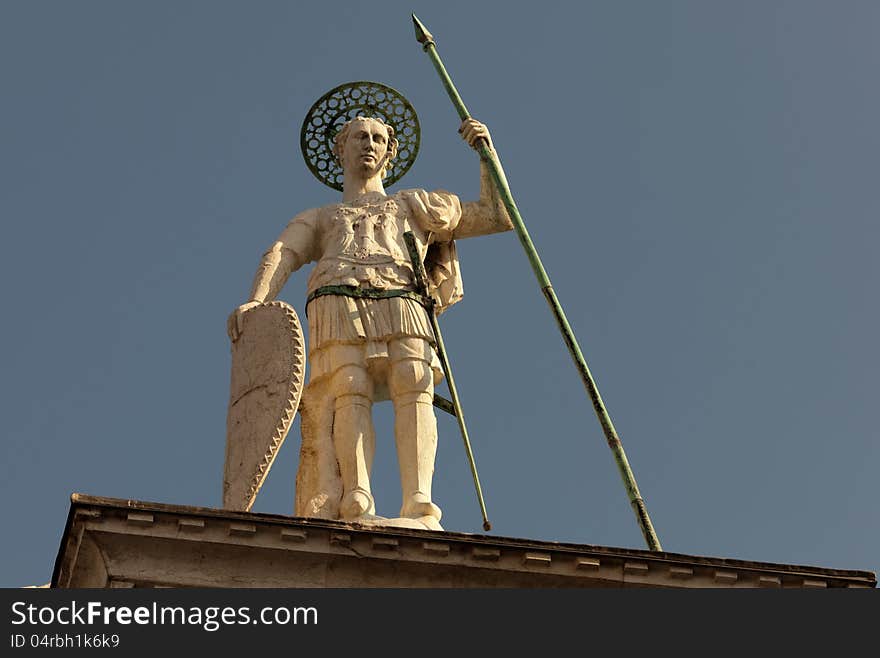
(367, 125)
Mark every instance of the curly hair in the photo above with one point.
(342, 136)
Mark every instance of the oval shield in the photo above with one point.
(268, 367)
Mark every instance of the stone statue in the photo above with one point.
(369, 337)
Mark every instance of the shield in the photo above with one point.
(268, 368)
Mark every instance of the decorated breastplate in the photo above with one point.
(369, 233)
(363, 245)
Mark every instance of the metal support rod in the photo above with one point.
(497, 174)
(422, 285)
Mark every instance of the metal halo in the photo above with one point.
(363, 98)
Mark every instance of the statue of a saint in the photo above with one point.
(370, 338)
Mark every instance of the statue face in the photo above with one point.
(366, 148)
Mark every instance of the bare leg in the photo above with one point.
(411, 386)
(354, 439)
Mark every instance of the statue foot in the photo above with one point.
(418, 505)
(356, 504)
(430, 522)
(421, 523)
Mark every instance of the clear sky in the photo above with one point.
(701, 179)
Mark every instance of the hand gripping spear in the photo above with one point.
(497, 173)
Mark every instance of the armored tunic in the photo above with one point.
(360, 245)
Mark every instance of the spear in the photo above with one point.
(490, 158)
(421, 280)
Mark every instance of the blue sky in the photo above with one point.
(700, 179)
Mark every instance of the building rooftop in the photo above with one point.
(109, 542)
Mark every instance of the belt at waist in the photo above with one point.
(367, 293)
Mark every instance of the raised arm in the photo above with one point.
(488, 215)
(292, 250)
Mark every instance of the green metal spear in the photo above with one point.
(421, 280)
(497, 173)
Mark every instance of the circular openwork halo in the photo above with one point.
(370, 99)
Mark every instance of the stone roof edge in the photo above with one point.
(85, 500)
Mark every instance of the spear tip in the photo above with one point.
(422, 35)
